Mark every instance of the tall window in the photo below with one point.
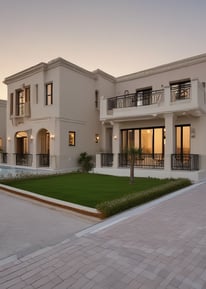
(20, 102)
(11, 104)
(37, 93)
(1, 144)
(49, 94)
(150, 140)
(96, 98)
(144, 96)
(182, 139)
(72, 138)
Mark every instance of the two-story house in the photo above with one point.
(53, 114)
(57, 110)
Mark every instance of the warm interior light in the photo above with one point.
(97, 138)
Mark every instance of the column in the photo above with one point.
(170, 140)
(115, 144)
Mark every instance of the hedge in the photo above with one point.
(113, 207)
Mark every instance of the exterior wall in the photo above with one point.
(3, 104)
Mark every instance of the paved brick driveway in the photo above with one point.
(163, 246)
(26, 226)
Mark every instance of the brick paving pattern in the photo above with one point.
(164, 247)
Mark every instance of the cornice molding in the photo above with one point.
(26, 73)
(164, 68)
(57, 62)
(62, 62)
(104, 75)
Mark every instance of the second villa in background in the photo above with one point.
(57, 110)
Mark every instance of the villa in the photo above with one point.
(57, 110)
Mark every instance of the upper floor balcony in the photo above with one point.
(180, 98)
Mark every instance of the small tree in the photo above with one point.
(85, 161)
(132, 153)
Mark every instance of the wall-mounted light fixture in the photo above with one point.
(8, 138)
(52, 136)
(31, 138)
(97, 138)
(115, 137)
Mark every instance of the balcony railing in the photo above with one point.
(23, 159)
(135, 99)
(155, 161)
(43, 160)
(106, 159)
(188, 162)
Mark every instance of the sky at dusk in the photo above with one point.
(117, 36)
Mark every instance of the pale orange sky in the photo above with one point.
(117, 36)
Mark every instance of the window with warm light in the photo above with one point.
(182, 139)
(72, 138)
(1, 144)
(150, 140)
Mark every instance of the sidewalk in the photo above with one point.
(160, 246)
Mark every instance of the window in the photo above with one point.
(1, 144)
(49, 94)
(96, 98)
(37, 93)
(20, 102)
(180, 90)
(150, 140)
(72, 138)
(144, 96)
(11, 104)
(182, 139)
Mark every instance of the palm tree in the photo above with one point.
(132, 153)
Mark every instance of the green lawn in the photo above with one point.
(85, 189)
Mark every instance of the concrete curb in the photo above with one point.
(91, 212)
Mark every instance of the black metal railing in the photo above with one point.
(43, 160)
(106, 159)
(154, 161)
(23, 159)
(180, 91)
(135, 99)
(188, 162)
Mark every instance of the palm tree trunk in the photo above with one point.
(132, 169)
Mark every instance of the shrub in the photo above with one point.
(113, 207)
(85, 161)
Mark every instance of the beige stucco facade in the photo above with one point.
(57, 110)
